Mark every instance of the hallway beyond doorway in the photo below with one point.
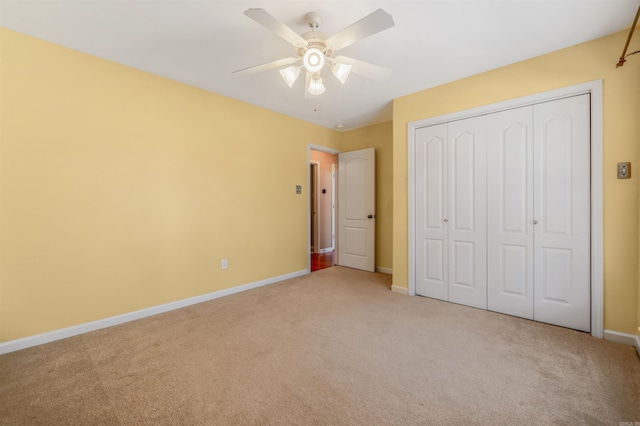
(322, 260)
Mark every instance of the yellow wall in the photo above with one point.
(578, 64)
(122, 190)
(380, 137)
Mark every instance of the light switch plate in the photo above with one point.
(624, 170)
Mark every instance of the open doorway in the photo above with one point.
(322, 208)
(314, 170)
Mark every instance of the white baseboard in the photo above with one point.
(627, 339)
(326, 250)
(384, 270)
(400, 290)
(63, 333)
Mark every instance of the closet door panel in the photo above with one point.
(510, 212)
(467, 212)
(562, 176)
(431, 212)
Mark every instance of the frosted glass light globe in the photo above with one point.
(313, 60)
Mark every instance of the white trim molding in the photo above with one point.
(63, 333)
(314, 147)
(384, 270)
(624, 338)
(595, 89)
(314, 219)
(400, 290)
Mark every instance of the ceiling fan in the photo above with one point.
(314, 49)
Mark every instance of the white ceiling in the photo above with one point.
(433, 42)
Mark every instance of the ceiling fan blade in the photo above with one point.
(367, 26)
(263, 18)
(267, 66)
(365, 69)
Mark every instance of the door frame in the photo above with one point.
(313, 147)
(334, 201)
(595, 89)
(313, 201)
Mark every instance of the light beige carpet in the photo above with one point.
(333, 347)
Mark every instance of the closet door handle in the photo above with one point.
(446, 220)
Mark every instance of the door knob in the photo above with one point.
(446, 220)
(371, 216)
(535, 222)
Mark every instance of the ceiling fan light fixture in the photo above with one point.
(290, 74)
(313, 59)
(341, 71)
(315, 49)
(316, 86)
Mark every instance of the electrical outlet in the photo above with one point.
(224, 264)
(298, 189)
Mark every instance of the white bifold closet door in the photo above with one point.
(502, 213)
(432, 242)
(562, 213)
(538, 241)
(510, 212)
(451, 212)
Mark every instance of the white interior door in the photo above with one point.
(562, 206)
(467, 212)
(431, 212)
(356, 209)
(510, 212)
